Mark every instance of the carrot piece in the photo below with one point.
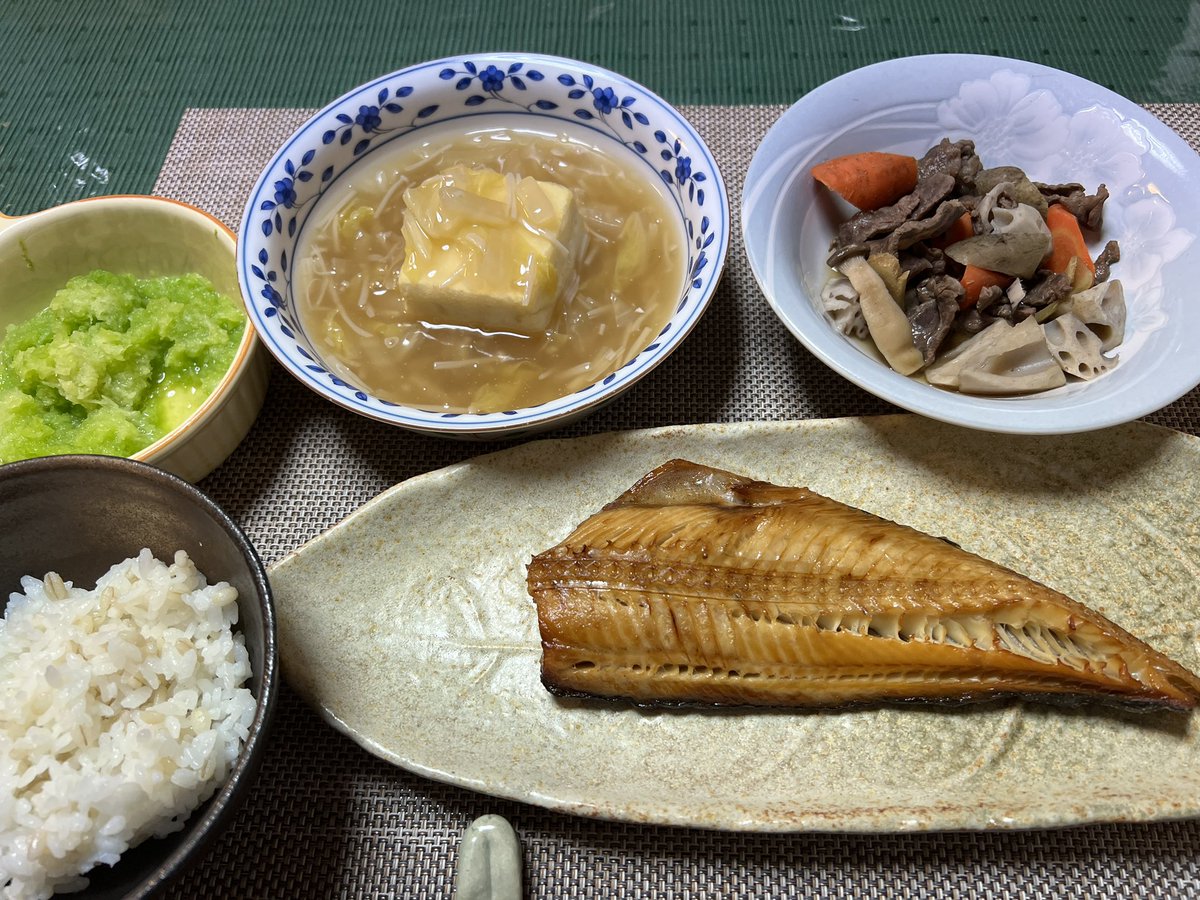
(1068, 241)
(868, 180)
(974, 280)
(959, 231)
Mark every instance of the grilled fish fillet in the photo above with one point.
(699, 586)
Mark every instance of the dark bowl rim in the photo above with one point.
(198, 835)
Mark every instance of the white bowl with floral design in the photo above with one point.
(1058, 128)
(618, 115)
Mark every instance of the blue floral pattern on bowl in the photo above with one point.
(403, 103)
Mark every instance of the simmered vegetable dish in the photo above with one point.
(979, 279)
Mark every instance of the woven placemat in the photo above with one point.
(327, 819)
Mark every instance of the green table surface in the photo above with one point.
(91, 91)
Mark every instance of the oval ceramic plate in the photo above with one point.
(408, 626)
(1059, 128)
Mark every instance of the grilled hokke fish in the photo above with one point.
(702, 586)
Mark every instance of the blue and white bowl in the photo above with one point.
(622, 117)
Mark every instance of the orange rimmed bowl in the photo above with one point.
(146, 237)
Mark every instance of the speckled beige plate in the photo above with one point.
(409, 628)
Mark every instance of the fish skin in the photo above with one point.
(700, 586)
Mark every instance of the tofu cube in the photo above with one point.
(487, 250)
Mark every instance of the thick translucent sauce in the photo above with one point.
(631, 275)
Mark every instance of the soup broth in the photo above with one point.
(630, 277)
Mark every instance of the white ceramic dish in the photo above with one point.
(1058, 127)
(541, 92)
(146, 237)
(409, 628)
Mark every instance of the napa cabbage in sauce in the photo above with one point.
(353, 273)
